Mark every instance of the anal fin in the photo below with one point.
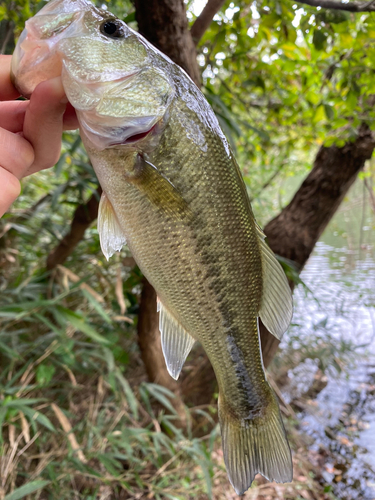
(176, 342)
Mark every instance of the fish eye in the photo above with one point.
(112, 28)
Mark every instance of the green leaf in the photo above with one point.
(132, 400)
(80, 324)
(36, 416)
(112, 465)
(44, 373)
(319, 39)
(319, 114)
(97, 306)
(15, 403)
(26, 489)
(329, 111)
(159, 393)
(130, 18)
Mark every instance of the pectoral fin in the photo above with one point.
(176, 342)
(276, 307)
(111, 235)
(158, 189)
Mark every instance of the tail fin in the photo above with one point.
(255, 445)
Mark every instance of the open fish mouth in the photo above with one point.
(24, 77)
(135, 138)
(36, 54)
(127, 132)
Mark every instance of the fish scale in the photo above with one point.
(173, 190)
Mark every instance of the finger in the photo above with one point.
(70, 118)
(16, 154)
(10, 190)
(12, 115)
(7, 90)
(43, 125)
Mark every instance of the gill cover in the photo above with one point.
(107, 73)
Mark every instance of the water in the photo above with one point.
(334, 329)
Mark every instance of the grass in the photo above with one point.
(79, 421)
(70, 419)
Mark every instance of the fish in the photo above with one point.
(173, 192)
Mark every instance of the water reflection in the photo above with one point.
(334, 328)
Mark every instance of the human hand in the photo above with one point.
(30, 131)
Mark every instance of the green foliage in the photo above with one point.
(25, 490)
(285, 79)
(65, 398)
(19, 11)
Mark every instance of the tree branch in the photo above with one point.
(349, 7)
(204, 20)
(165, 25)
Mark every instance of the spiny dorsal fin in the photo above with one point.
(176, 342)
(111, 235)
(276, 307)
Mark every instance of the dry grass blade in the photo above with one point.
(167, 464)
(25, 428)
(123, 318)
(65, 424)
(120, 292)
(12, 434)
(67, 273)
(28, 444)
(71, 375)
(288, 409)
(8, 462)
(5, 229)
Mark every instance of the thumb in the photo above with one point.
(43, 125)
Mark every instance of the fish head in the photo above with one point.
(108, 70)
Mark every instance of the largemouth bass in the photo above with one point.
(173, 191)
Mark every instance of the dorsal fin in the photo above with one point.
(276, 309)
(176, 342)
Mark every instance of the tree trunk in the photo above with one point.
(83, 217)
(150, 346)
(295, 231)
(165, 25)
(149, 339)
